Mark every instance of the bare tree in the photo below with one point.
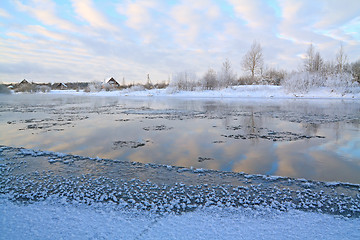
(186, 80)
(355, 68)
(313, 61)
(227, 76)
(318, 63)
(253, 59)
(209, 80)
(341, 59)
(309, 59)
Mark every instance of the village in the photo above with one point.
(107, 85)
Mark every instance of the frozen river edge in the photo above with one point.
(46, 195)
(30, 176)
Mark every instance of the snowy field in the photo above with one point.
(246, 91)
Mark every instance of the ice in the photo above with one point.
(29, 192)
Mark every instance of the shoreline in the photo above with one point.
(237, 92)
(33, 176)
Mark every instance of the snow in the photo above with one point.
(247, 91)
(55, 220)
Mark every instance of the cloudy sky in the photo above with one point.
(91, 40)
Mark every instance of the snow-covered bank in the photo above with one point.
(50, 220)
(247, 91)
(30, 176)
(51, 195)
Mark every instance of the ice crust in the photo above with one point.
(166, 189)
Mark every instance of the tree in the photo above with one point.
(355, 68)
(209, 80)
(341, 59)
(227, 76)
(253, 59)
(318, 63)
(309, 59)
(185, 80)
(313, 62)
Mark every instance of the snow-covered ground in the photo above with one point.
(249, 91)
(58, 209)
(50, 220)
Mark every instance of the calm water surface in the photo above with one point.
(313, 139)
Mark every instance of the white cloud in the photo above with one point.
(45, 11)
(337, 13)
(163, 37)
(87, 11)
(137, 13)
(42, 31)
(256, 13)
(4, 14)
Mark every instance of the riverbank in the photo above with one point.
(246, 91)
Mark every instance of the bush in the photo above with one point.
(161, 85)
(273, 77)
(108, 87)
(136, 88)
(26, 88)
(303, 82)
(342, 83)
(247, 80)
(93, 87)
(44, 89)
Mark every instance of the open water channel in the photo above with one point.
(301, 138)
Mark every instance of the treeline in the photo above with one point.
(337, 74)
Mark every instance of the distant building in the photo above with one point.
(24, 82)
(112, 82)
(59, 86)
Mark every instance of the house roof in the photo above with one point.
(113, 81)
(24, 82)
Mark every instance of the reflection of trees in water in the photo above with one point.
(310, 128)
(252, 124)
(310, 114)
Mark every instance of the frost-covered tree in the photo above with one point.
(253, 60)
(309, 59)
(313, 61)
(272, 76)
(209, 81)
(226, 76)
(341, 59)
(318, 63)
(355, 69)
(186, 80)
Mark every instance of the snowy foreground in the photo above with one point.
(49, 220)
(49, 195)
(247, 91)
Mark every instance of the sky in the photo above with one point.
(93, 40)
